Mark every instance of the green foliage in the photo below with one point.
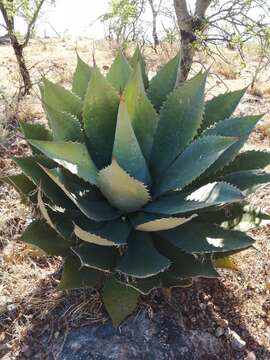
(135, 196)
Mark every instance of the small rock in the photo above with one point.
(11, 307)
(237, 343)
(75, 345)
(4, 302)
(219, 331)
(251, 356)
(222, 322)
(2, 336)
(202, 306)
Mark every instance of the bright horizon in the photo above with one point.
(81, 20)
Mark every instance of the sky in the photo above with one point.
(76, 18)
(79, 18)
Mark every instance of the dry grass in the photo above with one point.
(34, 305)
(230, 71)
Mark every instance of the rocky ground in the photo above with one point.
(37, 321)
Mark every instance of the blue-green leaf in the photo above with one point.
(81, 78)
(212, 194)
(65, 126)
(221, 107)
(248, 160)
(248, 181)
(119, 300)
(113, 233)
(30, 167)
(58, 98)
(22, 184)
(206, 238)
(97, 257)
(119, 72)
(238, 127)
(185, 266)
(193, 162)
(40, 234)
(126, 149)
(142, 114)
(180, 118)
(138, 58)
(99, 116)
(142, 259)
(95, 209)
(163, 83)
(74, 276)
(72, 156)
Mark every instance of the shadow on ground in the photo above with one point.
(180, 327)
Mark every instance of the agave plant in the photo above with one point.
(140, 184)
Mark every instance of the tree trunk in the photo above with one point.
(154, 30)
(187, 52)
(188, 25)
(154, 24)
(18, 50)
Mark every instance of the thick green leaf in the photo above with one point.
(113, 233)
(153, 222)
(142, 259)
(180, 118)
(22, 184)
(243, 217)
(58, 98)
(143, 116)
(186, 265)
(138, 58)
(119, 300)
(99, 117)
(30, 167)
(169, 280)
(248, 181)
(35, 131)
(193, 162)
(212, 194)
(142, 285)
(72, 156)
(56, 219)
(74, 276)
(162, 280)
(81, 78)
(221, 107)
(206, 238)
(119, 72)
(94, 209)
(98, 257)
(122, 191)
(163, 83)
(248, 160)
(40, 234)
(126, 149)
(238, 127)
(65, 127)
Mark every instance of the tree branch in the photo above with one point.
(32, 23)
(201, 7)
(183, 16)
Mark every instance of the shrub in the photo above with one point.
(139, 184)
